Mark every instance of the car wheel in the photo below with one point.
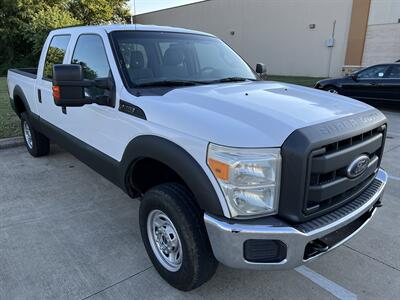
(36, 143)
(175, 237)
(332, 89)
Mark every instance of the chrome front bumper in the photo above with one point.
(228, 236)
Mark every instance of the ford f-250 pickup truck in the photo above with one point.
(228, 168)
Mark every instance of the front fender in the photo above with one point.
(179, 160)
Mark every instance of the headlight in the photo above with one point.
(249, 178)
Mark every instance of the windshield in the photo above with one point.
(160, 58)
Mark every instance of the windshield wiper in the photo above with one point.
(169, 83)
(191, 82)
(230, 79)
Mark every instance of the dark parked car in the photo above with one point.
(379, 82)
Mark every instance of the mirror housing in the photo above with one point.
(261, 69)
(69, 87)
(354, 76)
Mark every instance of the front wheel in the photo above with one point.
(175, 237)
(332, 89)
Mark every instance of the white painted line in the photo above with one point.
(394, 177)
(328, 285)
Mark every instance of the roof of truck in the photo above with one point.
(121, 27)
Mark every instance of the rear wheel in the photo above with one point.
(175, 237)
(36, 143)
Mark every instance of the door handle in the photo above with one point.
(375, 83)
(39, 93)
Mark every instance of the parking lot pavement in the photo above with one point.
(66, 232)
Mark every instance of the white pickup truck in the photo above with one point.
(229, 168)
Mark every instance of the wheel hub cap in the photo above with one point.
(164, 240)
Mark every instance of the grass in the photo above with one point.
(305, 81)
(9, 122)
(10, 126)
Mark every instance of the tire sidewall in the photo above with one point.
(181, 278)
(33, 150)
(332, 88)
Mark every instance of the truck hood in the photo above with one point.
(247, 114)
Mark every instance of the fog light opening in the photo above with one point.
(264, 251)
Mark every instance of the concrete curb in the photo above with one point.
(11, 142)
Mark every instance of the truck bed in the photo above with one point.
(24, 81)
(30, 72)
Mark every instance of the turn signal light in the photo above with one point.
(220, 170)
(56, 93)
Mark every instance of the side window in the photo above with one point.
(91, 55)
(394, 72)
(55, 54)
(373, 72)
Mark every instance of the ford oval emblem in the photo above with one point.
(358, 166)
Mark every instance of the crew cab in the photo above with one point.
(228, 168)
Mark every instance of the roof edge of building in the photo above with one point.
(173, 7)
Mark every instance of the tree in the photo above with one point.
(96, 12)
(25, 24)
(12, 44)
(43, 21)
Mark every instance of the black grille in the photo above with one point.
(315, 161)
(327, 184)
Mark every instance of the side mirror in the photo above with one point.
(69, 87)
(354, 76)
(261, 69)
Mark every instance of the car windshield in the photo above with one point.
(178, 59)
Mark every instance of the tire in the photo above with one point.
(172, 203)
(332, 89)
(36, 143)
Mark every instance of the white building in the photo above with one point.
(296, 37)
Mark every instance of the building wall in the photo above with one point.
(382, 42)
(275, 32)
(384, 12)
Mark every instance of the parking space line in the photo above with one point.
(394, 177)
(328, 285)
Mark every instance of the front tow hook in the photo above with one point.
(315, 247)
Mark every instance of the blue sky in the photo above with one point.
(143, 6)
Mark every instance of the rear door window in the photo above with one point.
(55, 54)
(394, 72)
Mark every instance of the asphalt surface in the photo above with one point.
(67, 233)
